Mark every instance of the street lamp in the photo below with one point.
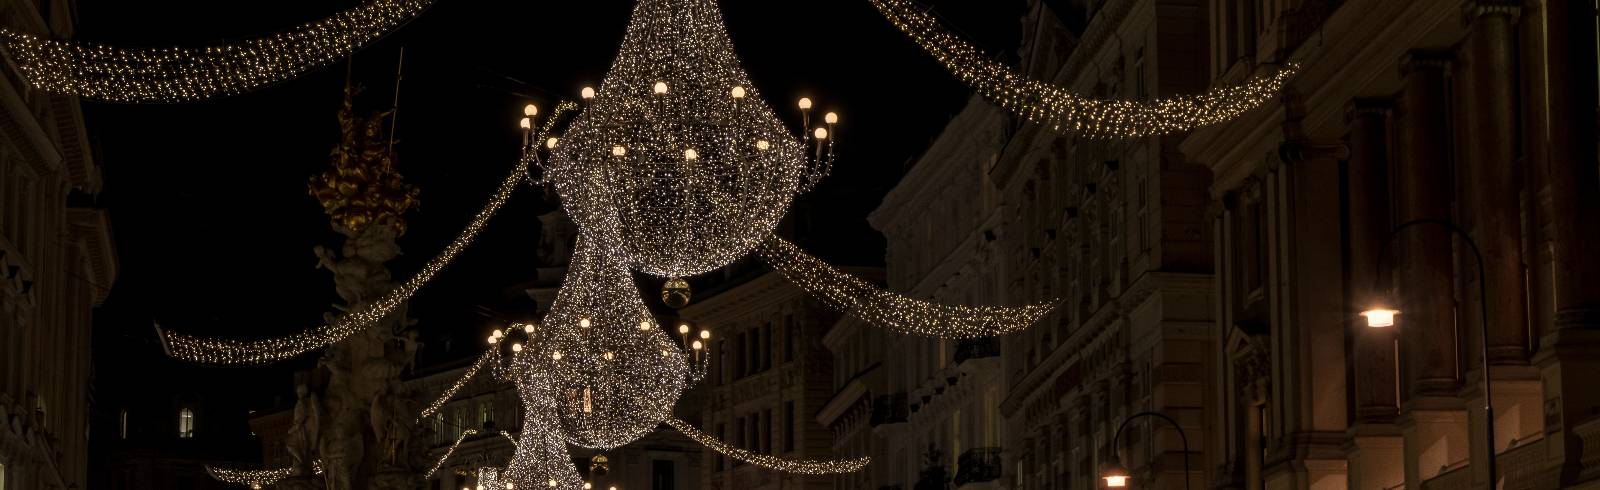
(1381, 316)
(1116, 476)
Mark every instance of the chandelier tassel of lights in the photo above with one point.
(169, 75)
(1063, 110)
(895, 312)
(796, 466)
(230, 352)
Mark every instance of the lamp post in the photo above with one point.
(1116, 476)
(1381, 316)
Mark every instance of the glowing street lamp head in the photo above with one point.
(530, 110)
(738, 92)
(1380, 317)
(525, 123)
(831, 118)
(805, 103)
(587, 93)
(683, 329)
(1116, 476)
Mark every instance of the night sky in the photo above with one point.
(214, 227)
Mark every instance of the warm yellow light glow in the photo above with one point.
(525, 123)
(691, 155)
(552, 483)
(763, 145)
(821, 133)
(584, 323)
(498, 333)
(1117, 481)
(831, 118)
(527, 328)
(530, 110)
(555, 356)
(618, 151)
(493, 339)
(587, 486)
(644, 325)
(697, 345)
(683, 329)
(1380, 317)
(705, 334)
(551, 143)
(805, 102)
(661, 87)
(610, 355)
(517, 347)
(588, 93)
(738, 92)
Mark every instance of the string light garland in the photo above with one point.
(230, 352)
(796, 466)
(169, 75)
(676, 154)
(450, 392)
(449, 451)
(249, 478)
(541, 460)
(892, 311)
(1062, 109)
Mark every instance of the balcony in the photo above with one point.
(977, 349)
(889, 409)
(978, 465)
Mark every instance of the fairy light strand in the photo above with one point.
(231, 352)
(895, 312)
(170, 75)
(1062, 109)
(450, 392)
(786, 465)
(447, 452)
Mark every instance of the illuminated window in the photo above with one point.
(186, 424)
(485, 413)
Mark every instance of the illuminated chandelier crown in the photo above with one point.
(676, 156)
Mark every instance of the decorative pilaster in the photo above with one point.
(1423, 271)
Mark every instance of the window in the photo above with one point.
(722, 431)
(186, 424)
(122, 424)
(662, 475)
(789, 330)
(485, 413)
(788, 426)
(766, 431)
(766, 346)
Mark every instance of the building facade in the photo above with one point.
(768, 376)
(1477, 115)
(1218, 278)
(56, 264)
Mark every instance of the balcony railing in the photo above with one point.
(889, 409)
(977, 349)
(977, 465)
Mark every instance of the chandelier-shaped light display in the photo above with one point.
(614, 375)
(146, 75)
(676, 154)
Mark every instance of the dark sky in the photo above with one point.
(214, 227)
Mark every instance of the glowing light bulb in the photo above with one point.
(493, 339)
(499, 333)
(805, 102)
(618, 151)
(525, 123)
(683, 329)
(1380, 317)
(831, 118)
(644, 325)
(821, 133)
(587, 486)
(691, 155)
(661, 87)
(530, 110)
(517, 347)
(738, 92)
(552, 483)
(555, 356)
(705, 334)
(510, 486)
(584, 323)
(609, 355)
(528, 327)
(588, 93)
(697, 345)
(551, 143)
(763, 145)
(479, 487)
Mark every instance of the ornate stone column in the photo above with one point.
(1374, 449)
(1493, 177)
(1569, 354)
(1432, 420)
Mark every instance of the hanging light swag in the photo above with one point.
(166, 75)
(1063, 110)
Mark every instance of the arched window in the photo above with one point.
(185, 423)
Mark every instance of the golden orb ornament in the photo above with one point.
(675, 293)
